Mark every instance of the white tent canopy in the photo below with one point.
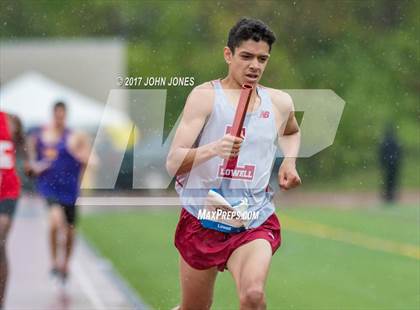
(31, 96)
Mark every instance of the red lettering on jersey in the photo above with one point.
(9, 181)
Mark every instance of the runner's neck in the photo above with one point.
(230, 84)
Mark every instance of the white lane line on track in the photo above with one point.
(128, 201)
(87, 287)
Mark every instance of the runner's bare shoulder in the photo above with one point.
(281, 100)
(200, 100)
(282, 106)
(78, 139)
(79, 146)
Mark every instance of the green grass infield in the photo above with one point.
(330, 258)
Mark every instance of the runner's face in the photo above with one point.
(60, 117)
(249, 61)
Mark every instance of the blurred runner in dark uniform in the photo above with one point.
(390, 154)
(58, 156)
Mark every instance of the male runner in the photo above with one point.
(198, 156)
(57, 157)
(11, 139)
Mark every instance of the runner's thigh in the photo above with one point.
(249, 265)
(197, 286)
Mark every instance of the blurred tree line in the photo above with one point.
(366, 51)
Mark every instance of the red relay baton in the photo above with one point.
(238, 121)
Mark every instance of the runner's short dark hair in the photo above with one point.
(248, 28)
(60, 104)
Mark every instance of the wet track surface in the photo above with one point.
(92, 283)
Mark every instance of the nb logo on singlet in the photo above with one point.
(265, 114)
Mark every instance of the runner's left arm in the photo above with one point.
(288, 139)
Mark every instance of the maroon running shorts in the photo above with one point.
(204, 248)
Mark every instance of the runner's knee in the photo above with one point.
(71, 228)
(252, 297)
